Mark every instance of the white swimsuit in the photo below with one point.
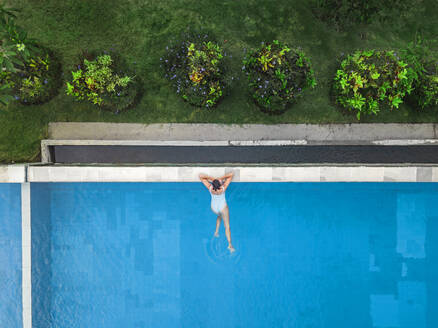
(218, 202)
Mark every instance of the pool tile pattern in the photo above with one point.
(299, 174)
(370, 174)
(128, 252)
(407, 174)
(424, 174)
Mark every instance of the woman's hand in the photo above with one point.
(226, 176)
(206, 177)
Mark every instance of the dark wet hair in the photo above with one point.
(216, 184)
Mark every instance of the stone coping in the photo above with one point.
(312, 133)
(189, 173)
(13, 173)
(241, 173)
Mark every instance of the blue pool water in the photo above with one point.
(10, 256)
(309, 255)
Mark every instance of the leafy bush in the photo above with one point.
(39, 81)
(277, 75)
(6, 84)
(100, 80)
(16, 49)
(343, 14)
(371, 79)
(197, 70)
(424, 62)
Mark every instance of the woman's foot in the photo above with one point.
(231, 248)
(216, 234)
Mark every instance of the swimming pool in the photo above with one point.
(10, 255)
(307, 255)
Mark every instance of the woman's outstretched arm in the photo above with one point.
(204, 179)
(227, 178)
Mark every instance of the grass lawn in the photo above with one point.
(140, 30)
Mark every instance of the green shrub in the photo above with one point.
(371, 79)
(277, 76)
(343, 14)
(16, 49)
(100, 80)
(197, 70)
(6, 84)
(424, 62)
(39, 81)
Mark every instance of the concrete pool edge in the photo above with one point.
(14, 173)
(39, 172)
(332, 173)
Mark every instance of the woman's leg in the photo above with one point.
(218, 223)
(226, 218)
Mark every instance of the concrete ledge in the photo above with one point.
(407, 142)
(182, 134)
(241, 173)
(209, 143)
(206, 132)
(12, 174)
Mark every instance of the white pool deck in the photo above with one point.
(329, 173)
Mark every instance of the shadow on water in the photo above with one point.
(41, 255)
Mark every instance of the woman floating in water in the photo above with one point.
(218, 203)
